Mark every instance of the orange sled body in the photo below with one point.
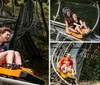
(80, 36)
(24, 73)
(68, 74)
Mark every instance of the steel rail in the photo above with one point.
(55, 68)
(62, 25)
(97, 21)
(14, 82)
(59, 24)
(59, 3)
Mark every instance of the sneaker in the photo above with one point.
(17, 66)
(9, 66)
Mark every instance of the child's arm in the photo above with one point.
(80, 21)
(76, 24)
(73, 73)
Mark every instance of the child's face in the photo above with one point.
(68, 57)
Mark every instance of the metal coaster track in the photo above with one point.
(54, 64)
(58, 28)
(1, 4)
(24, 38)
(97, 17)
(59, 3)
(7, 20)
(77, 52)
(6, 81)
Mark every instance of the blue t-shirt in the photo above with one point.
(3, 48)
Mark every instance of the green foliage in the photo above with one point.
(44, 0)
(46, 10)
(40, 40)
(81, 1)
(6, 1)
(91, 69)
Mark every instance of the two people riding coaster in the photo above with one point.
(65, 66)
(74, 25)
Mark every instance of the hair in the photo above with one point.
(68, 54)
(74, 14)
(67, 15)
(4, 29)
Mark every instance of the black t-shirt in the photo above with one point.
(76, 22)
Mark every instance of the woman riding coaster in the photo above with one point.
(78, 24)
(10, 57)
(66, 64)
(69, 21)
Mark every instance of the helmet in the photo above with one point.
(66, 9)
